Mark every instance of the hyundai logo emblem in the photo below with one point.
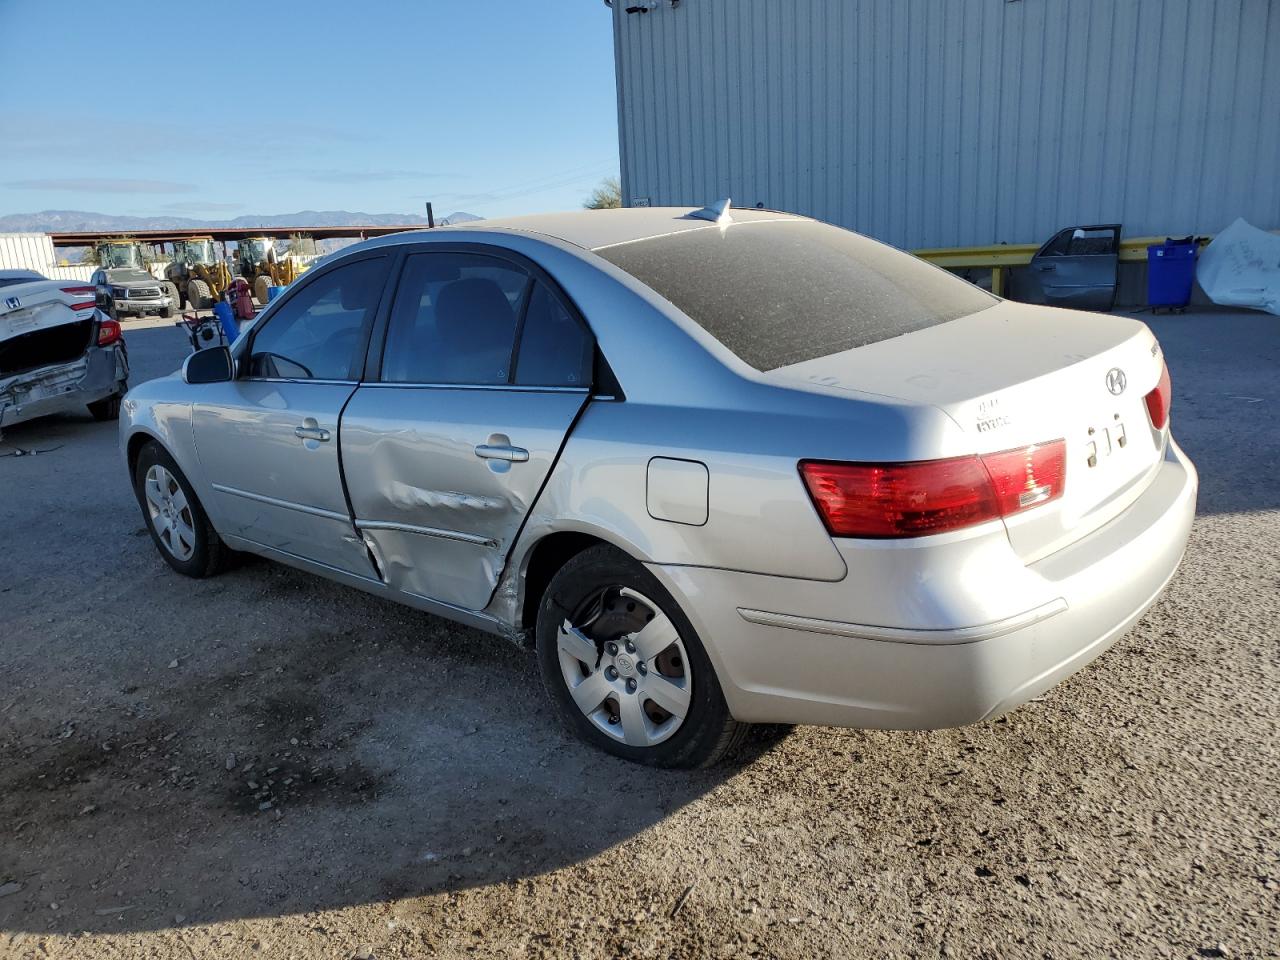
(1116, 380)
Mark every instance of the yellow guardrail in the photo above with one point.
(999, 256)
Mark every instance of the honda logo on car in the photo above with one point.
(1116, 381)
(12, 303)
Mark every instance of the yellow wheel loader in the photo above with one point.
(199, 274)
(259, 262)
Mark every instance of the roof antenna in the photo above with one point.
(717, 212)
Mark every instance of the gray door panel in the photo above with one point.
(270, 450)
(441, 478)
(1078, 268)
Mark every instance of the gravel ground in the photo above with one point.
(266, 764)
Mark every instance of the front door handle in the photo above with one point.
(502, 451)
(311, 431)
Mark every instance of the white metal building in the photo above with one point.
(937, 123)
(34, 251)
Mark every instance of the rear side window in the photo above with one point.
(782, 292)
(454, 320)
(555, 351)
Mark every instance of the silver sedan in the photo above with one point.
(717, 467)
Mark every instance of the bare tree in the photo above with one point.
(606, 196)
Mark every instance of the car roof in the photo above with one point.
(594, 229)
(21, 275)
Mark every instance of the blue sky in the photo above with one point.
(491, 106)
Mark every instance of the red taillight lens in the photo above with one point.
(1158, 400)
(109, 333)
(880, 500)
(90, 292)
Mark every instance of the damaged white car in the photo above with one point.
(58, 352)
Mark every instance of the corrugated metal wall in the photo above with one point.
(26, 251)
(931, 123)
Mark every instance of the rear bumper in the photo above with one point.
(65, 388)
(779, 663)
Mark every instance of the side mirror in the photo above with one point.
(102, 297)
(210, 365)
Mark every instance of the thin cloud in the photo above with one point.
(196, 206)
(360, 176)
(103, 185)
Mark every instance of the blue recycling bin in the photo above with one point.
(227, 320)
(1171, 271)
(273, 292)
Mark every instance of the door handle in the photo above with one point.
(502, 451)
(1046, 266)
(311, 433)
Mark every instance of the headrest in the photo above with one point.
(475, 308)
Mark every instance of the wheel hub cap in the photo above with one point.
(169, 512)
(625, 664)
(626, 668)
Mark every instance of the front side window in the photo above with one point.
(316, 334)
(454, 320)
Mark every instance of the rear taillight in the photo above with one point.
(1158, 400)
(90, 292)
(109, 333)
(880, 500)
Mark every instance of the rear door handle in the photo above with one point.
(1046, 266)
(311, 433)
(502, 451)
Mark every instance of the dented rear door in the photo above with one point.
(481, 372)
(436, 496)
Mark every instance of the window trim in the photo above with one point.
(359, 356)
(378, 338)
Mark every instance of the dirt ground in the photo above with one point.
(268, 765)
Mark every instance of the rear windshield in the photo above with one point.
(782, 292)
(11, 279)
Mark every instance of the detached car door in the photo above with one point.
(483, 371)
(1078, 268)
(268, 440)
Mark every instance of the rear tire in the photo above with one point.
(178, 525)
(108, 408)
(595, 593)
(175, 300)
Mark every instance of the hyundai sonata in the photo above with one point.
(717, 467)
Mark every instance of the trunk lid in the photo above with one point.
(1015, 375)
(42, 323)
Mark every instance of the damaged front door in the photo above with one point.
(483, 372)
(1078, 268)
(268, 441)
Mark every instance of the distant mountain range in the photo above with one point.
(62, 221)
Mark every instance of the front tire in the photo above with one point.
(174, 517)
(624, 668)
(198, 294)
(261, 287)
